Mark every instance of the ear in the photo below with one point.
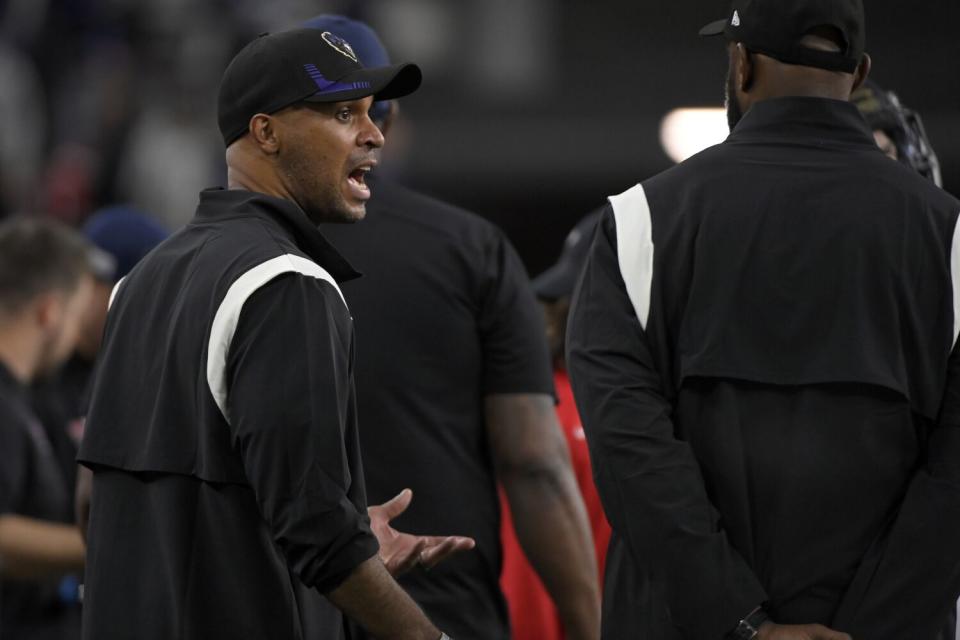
(862, 72)
(743, 63)
(48, 309)
(263, 132)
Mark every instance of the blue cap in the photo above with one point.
(124, 233)
(365, 43)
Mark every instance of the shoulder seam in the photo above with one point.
(227, 316)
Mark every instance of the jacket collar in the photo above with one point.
(224, 203)
(810, 120)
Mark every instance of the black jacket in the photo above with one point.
(222, 432)
(760, 348)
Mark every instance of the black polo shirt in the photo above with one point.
(760, 347)
(31, 485)
(445, 316)
(228, 489)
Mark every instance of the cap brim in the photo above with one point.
(556, 282)
(102, 264)
(383, 83)
(715, 28)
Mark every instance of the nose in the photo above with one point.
(370, 135)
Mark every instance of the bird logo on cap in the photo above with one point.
(735, 20)
(339, 44)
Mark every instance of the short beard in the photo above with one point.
(317, 198)
(734, 112)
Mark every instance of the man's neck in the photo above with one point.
(18, 351)
(775, 79)
(246, 170)
(237, 180)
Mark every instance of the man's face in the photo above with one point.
(64, 325)
(325, 152)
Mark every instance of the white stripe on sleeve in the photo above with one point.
(113, 294)
(228, 314)
(635, 247)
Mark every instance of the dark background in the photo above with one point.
(532, 111)
(536, 167)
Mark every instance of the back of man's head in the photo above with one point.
(809, 48)
(780, 30)
(38, 257)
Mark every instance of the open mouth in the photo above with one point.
(357, 180)
(359, 175)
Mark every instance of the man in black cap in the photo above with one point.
(454, 373)
(762, 348)
(228, 493)
(120, 237)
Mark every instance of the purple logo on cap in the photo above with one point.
(339, 44)
(332, 86)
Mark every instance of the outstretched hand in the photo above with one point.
(401, 552)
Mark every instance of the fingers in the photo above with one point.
(771, 631)
(405, 559)
(440, 549)
(820, 632)
(406, 551)
(396, 505)
(433, 541)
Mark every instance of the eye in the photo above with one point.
(344, 115)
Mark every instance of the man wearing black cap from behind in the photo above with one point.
(763, 351)
(227, 492)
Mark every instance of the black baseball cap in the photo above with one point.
(776, 27)
(301, 65)
(559, 280)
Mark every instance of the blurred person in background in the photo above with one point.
(45, 287)
(125, 235)
(120, 236)
(453, 377)
(898, 130)
(228, 495)
(533, 616)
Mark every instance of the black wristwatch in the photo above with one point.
(749, 627)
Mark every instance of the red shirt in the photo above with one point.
(532, 613)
